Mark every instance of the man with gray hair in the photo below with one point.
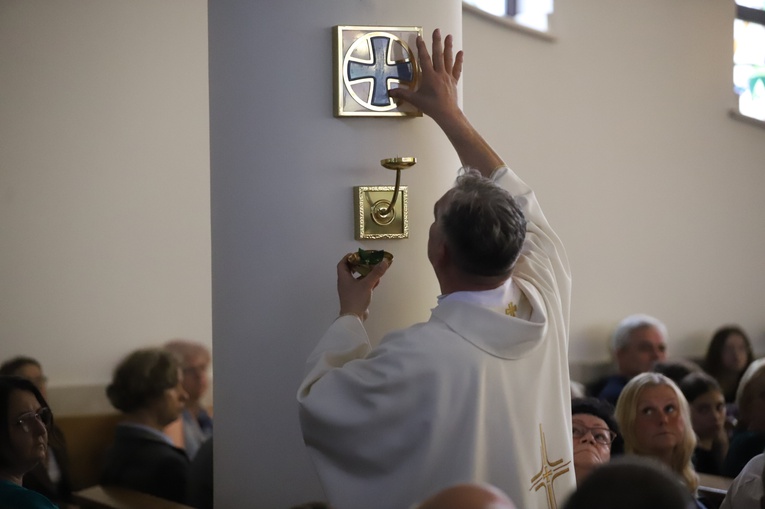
(197, 423)
(480, 392)
(638, 343)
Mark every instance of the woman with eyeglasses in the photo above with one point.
(656, 422)
(24, 422)
(50, 477)
(594, 430)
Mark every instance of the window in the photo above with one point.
(530, 13)
(749, 58)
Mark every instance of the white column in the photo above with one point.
(282, 170)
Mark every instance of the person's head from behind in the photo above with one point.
(654, 420)
(29, 368)
(477, 234)
(707, 404)
(639, 342)
(594, 429)
(730, 351)
(468, 496)
(148, 382)
(676, 369)
(631, 482)
(750, 397)
(24, 422)
(195, 362)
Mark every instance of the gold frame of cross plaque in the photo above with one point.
(369, 61)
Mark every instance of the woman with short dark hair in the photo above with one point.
(147, 388)
(24, 422)
(594, 430)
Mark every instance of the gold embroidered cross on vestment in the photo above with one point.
(550, 471)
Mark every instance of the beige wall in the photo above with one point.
(622, 128)
(104, 181)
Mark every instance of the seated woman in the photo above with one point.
(749, 436)
(51, 476)
(146, 387)
(728, 356)
(594, 430)
(24, 421)
(707, 404)
(655, 421)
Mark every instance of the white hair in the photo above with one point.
(633, 322)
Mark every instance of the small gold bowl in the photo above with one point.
(363, 261)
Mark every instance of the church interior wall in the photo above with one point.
(621, 125)
(104, 185)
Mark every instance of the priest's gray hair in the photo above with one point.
(483, 224)
(625, 328)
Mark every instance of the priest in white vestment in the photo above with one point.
(480, 392)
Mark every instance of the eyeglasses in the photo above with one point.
(26, 421)
(602, 436)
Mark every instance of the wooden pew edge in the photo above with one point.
(114, 497)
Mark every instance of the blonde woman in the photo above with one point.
(655, 421)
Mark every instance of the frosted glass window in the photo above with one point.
(749, 58)
(495, 7)
(531, 13)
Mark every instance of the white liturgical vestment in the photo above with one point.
(473, 394)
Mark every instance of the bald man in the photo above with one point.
(468, 496)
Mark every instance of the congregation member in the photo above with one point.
(147, 388)
(676, 369)
(747, 490)
(655, 421)
(51, 476)
(475, 393)
(638, 343)
(748, 438)
(468, 496)
(728, 355)
(594, 429)
(201, 493)
(707, 405)
(196, 422)
(632, 482)
(24, 422)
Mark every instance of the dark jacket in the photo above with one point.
(142, 461)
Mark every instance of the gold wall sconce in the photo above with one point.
(382, 211)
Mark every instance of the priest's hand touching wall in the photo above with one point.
(437, 97)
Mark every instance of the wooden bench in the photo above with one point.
(713, 488)
(112, 497)
(87, 439)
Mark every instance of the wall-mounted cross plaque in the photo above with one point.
(369, 61)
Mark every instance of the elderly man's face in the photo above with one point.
(645, 347)
(196, 376)
(592, 443)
